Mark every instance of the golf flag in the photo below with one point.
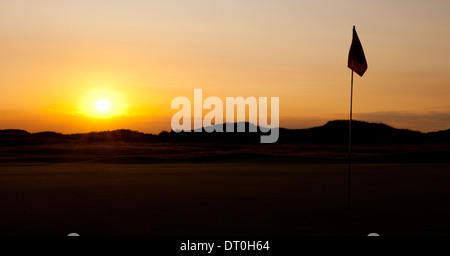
(356, 59)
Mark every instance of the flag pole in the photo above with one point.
(357, 63)
(350, 144)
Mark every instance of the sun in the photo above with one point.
(102, 105)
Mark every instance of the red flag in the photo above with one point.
(356, 59)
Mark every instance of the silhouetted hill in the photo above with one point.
(13, 133)
(333, 132)
(336, 132)
(215, 137)
(123, 136)
(440, 136)
(20, 137)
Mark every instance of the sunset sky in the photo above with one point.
(79, 66)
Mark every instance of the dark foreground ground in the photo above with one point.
(247, 198)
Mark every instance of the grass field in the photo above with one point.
(223, 199)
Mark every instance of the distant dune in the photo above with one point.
(372, 143)
(333, 132)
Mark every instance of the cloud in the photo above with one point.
(425, 122)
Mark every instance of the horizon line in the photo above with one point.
(336, 120)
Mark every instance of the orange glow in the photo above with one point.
(103, 103)
(72, 66)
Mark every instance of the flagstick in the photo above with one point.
(350, 144)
